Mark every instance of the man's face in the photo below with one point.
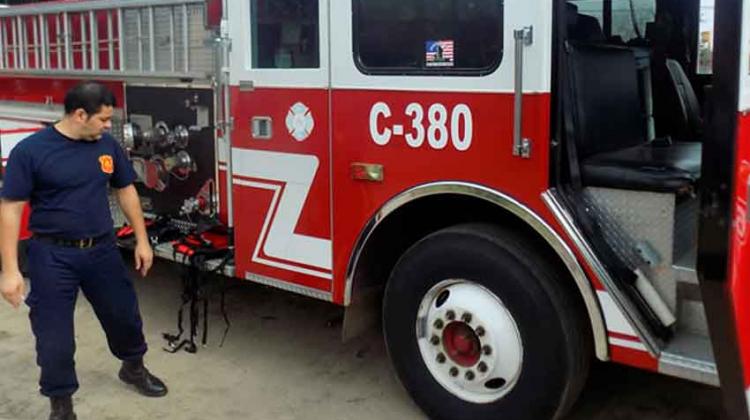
(91, 127)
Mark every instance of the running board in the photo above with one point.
(690, 356)
(652, 343)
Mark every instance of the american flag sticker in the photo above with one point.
(439, 53)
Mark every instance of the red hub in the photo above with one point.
(461, 344)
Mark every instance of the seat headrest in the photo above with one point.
(571, 14)
(582, 27)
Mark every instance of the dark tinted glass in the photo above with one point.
(428, 36)
(285, 34)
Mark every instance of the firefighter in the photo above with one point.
(64, 171)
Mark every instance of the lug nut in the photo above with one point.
(469, 375)
(438, 324)
(435, 340)
(480, 331)
(440, 358)
(487, 350)
(482, 367)
(454, 372)
(466, 317)
(450, 315)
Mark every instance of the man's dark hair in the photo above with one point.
(90, 96)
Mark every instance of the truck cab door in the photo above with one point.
(280, 143)
(724, 243)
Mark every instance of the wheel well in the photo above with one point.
(415, 220)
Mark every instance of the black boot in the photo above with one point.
(134, 373)
(62, 408)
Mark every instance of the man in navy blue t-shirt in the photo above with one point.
(64, 172)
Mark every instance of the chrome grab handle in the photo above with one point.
(521, 146)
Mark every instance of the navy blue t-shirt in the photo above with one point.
(66, 182)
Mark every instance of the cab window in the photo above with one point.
(285, 34)
(428, 36)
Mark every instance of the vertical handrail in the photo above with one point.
(35, 36)
(94, 40)
(121, 39)
(3, 39)
(110, 42)
(7, 44)
(58, 42)
(67, 48)
(185, 39)
(172, 41)
(84, 41)
(14, 46)
(44, 32)
(21, 43)
(151, 40)
(224, 80)
(25, 42)
(139, 32)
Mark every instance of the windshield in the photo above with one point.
(706, 37)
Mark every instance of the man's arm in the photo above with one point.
(131, 206)
(12, 285)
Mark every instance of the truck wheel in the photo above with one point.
(478, 326)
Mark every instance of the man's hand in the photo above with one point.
(131, 206)
(144, 257)
(12, 287)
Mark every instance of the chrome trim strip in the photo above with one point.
(623, 303)
(510, 204)
(289, 287)
(166, 251)
(687, 368)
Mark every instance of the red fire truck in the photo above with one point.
(513, 187)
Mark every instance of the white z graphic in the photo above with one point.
(297, 173)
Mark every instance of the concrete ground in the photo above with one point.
(282, 359)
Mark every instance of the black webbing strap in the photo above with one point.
(195, 291)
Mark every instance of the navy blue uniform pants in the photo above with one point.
(57, 273)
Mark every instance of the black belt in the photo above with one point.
(72, 243)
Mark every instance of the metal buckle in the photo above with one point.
(85, 243)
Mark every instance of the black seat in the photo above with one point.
(610, 127)
(689, 121)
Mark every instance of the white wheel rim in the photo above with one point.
(454, 317)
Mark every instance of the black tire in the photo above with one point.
(549, 319)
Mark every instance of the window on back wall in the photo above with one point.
(285, 34)
(428, 36)
(706, 38)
